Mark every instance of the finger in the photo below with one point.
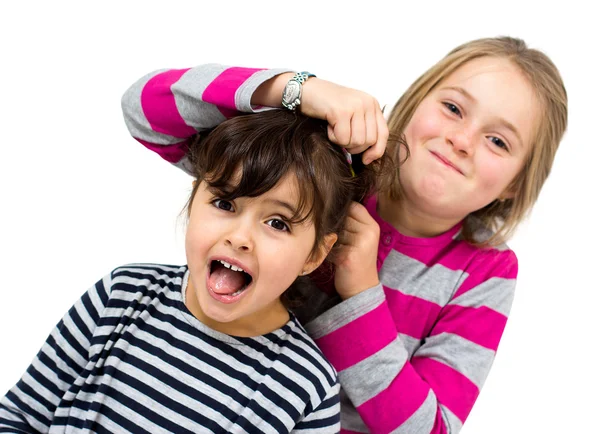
(358, 134)
(353, 226)
(376, 151)
(371, 126)
(359, 213)
(345, 238)
(342, 130)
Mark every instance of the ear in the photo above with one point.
(319, 256)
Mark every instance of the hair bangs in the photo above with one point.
(250, 157)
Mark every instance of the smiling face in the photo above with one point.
(468, 140)
(243, 254)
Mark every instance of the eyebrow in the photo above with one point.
(471, 98)
(283, 204)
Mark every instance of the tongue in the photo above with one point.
(225, 281)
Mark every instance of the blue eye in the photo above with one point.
(278, 225)
(223, 204)
(498, 142)
(453, 108)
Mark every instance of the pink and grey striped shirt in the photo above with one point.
(413, 352)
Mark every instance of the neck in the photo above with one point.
(268, 319)
(410, 220)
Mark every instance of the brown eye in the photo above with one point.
(278, 225)
(223, 204)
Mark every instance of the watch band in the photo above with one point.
(292, 92)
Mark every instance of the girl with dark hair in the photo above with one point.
(209, 346)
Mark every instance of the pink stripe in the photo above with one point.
(221, 91)
(451, 388)
(480, 325)
(158, 103)
(505, 266)
(412, 315)
(347, 431)
(439, 426)
(172, 153)
(365, 336)
(457, 255)
(393, 406)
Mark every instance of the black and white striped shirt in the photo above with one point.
(130, 357)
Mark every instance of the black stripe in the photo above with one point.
(24, 408)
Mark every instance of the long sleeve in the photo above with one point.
(30, 405)
(165, 108)
(325, 419)
(434, 389)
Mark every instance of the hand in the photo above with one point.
(355, 118)
(356, 259)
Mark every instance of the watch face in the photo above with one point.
(291, 91)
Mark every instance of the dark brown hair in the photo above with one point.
(265, 147)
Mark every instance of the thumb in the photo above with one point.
(331, 134)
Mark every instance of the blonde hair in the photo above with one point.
(500, 216)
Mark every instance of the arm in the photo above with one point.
(325, 419)
(165, 108)
(434, 390)
(30, 405)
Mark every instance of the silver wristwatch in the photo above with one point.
(292, 92)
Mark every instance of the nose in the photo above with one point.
(240, 237)
(462, 140)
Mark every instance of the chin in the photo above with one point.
(221, 317)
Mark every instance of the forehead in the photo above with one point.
(287, 188)
(500, 91)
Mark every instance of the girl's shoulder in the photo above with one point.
(136, 281)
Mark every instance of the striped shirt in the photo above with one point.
(129, 357)
(412, 353)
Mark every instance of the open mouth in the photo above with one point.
(228, 280)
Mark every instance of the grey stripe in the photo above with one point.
(244, 93)
(135, 119)
(345, 312)
(422, 420)
(453, 423)
(496, 293)
(41, 389)
(35, 405)
(411, 344)
(374, 374)
(186, 165)
(436, 284)
(188, 92)
(468, 358)
(351, 420)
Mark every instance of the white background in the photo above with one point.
(79, 197)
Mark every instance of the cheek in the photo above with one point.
(496, 174)
(426, 123)
(197, 240)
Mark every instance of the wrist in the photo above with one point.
(292, 92)
(268, 94)
(357, 289)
